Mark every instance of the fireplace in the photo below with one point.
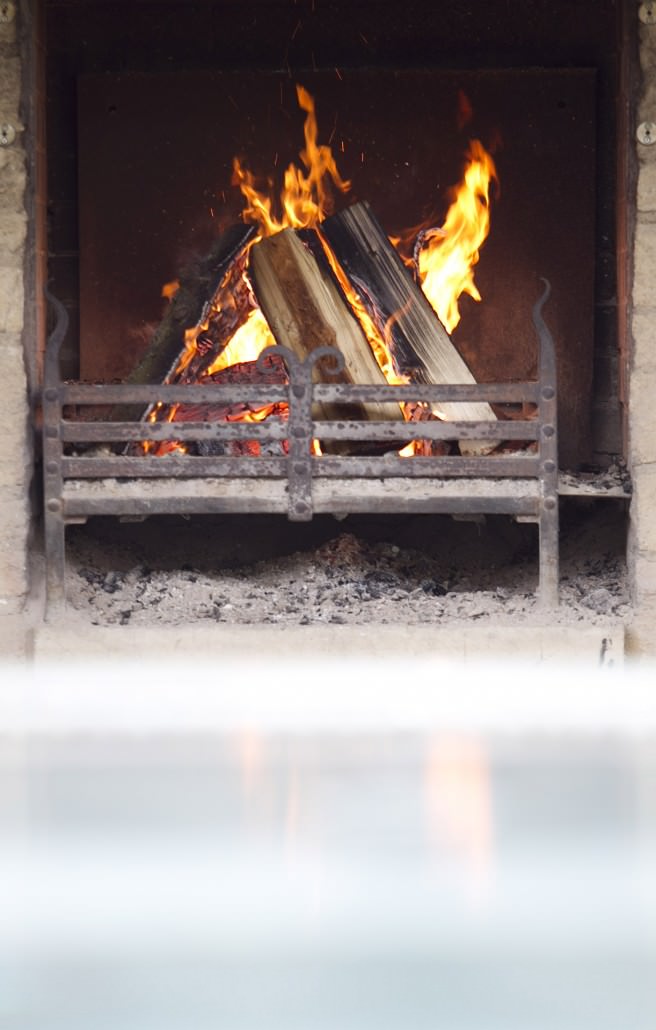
(584, 64)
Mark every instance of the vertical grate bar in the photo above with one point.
(54, 524)
(299, 458)
(548, 443)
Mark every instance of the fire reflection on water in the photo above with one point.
(458, 811)
(251, 759)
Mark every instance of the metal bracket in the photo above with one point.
(646, 133)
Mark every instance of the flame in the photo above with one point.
(305, 198)
(448, 256)
(160, 413)
(443, 257)
(246, 344)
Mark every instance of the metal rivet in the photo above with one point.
(549, 466)
(51, 394)
(548, 393)
(548, 431)
(7, 11)
(646, 133)
(53, 504)
(298, 432)
(550, 503)
(301, 507)
(51, 432)
(298, 390)
(299, 468)
(7, 134)
(52, 467)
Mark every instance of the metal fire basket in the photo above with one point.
(297, 483)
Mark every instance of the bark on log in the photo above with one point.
(198, 284)
(420, 343)
(305, 310)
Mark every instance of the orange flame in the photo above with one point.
(448, 257)
(246, 344)
(305, 198)
(445, 260)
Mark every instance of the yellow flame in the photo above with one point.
(305, 198)
(448, 257)
(246, 344)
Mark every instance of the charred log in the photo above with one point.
(198, 284)
(421, 345)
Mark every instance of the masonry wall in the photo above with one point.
(15, 446)
(642, 382)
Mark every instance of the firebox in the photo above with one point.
(154, 102)
(150, 103)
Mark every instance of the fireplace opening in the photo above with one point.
(151, 129)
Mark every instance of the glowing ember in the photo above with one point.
(169, 290)
(448, 256)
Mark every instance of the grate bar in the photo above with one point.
(299, 482)
(276, 429)
(192, 393)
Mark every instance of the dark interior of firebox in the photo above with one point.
(148, 104)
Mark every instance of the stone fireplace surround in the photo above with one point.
(22, 321)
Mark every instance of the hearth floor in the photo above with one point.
(476, 574)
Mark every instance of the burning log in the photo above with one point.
(420, 344)
(245, 372)
(197, 287)
(305, 310)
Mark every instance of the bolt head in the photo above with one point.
(7, 134)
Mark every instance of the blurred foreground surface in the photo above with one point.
(399, 849)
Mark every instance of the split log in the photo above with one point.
(305, 310)
(420, 343)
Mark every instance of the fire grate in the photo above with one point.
(296, 482)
